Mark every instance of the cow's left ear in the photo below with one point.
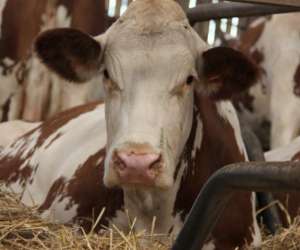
(70, 53)
(224, 72)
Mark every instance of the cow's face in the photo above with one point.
(150, 71)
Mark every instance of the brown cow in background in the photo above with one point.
(28, 90)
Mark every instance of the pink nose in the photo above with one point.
(137, 168)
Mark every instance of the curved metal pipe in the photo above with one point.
(246, 176)
(206, 12)
(255, 152)
(271, 2)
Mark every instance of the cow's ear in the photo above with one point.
(72, 54)
(224, 72)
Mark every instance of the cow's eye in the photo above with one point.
(189, 80)
(106, 74)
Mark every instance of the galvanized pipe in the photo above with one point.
(247, 176)
(255, 152)
(205, 12)
(271, 2)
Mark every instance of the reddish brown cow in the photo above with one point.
(28, 90)
(22, 22)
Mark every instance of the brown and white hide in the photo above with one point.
(274, 44)
(41, 93)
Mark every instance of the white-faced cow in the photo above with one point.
(275, 45)
(166, 126)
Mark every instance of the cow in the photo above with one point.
(29, 91)
(166, 126)
(12, 130)
(273, 43)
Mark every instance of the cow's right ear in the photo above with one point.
(225, 72)
(72, 54)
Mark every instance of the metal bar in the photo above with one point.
(205, 12)
(215, 195)
(275, 2)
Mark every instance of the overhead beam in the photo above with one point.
(275, 2)
(205, 12)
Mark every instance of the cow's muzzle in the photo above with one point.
(133, 167)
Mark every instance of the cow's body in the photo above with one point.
(60, 167)
(34, 93)
(274, 45)
(12, 130)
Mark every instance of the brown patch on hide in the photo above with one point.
(55, 191)
(297, 81)
(11, 171)
(257, 56)
(86, 191)
(227, 72)
(219, 148)
(70, 53)
(10, 164)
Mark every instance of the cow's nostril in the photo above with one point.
(156, 164)
(118, 162)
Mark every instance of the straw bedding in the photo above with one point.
(21, 228)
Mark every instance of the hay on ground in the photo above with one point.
(285, 239)
(21, 228)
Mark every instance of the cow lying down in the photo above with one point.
(166, 126)
(10, 131)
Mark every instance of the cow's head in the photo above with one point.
(152, 61)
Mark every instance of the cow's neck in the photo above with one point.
(214, 143)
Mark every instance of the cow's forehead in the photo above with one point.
(172, 50)
(168, 62)
(151, 16)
